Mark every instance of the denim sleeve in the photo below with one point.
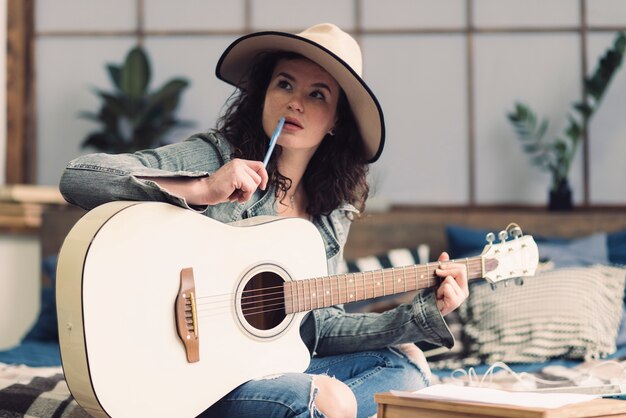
(94, 179)
(340, 332)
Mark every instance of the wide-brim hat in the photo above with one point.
(329, 47)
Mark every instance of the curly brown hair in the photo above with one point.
(337, 172)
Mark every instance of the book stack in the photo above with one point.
(21, 206)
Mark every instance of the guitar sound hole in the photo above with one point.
(263, 301)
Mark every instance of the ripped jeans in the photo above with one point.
(293, 395)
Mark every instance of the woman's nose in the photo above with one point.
(295, 104)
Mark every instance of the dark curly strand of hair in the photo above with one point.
(337, 172)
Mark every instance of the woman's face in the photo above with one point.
(306, 95)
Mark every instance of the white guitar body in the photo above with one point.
(119, 274)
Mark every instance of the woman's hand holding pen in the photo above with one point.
(453, 289)
(236, 180)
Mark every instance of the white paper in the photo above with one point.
(495, 396)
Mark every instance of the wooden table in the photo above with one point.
(390, 406)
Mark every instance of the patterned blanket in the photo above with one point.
(41, 392)
(36, 392)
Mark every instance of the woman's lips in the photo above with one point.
(292, 124)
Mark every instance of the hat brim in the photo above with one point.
(235, 62)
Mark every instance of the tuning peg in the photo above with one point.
(502, 235)
(491, 237)
(519, 281)
(494, 286)
(516, 232)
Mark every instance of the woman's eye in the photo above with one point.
(284, 84)
(318, 95)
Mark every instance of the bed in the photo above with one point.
(577, 248)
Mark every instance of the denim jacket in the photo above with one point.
(94, 179)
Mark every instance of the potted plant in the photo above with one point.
(131, 117)
(556, 155)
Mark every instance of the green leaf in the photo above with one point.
(168, 95)
(115, 73)
(542, 129)
(116, 105)
(560, 148)
(584, 109)
(540, 161)
(574, 130)
(531, 148)
(135, 74)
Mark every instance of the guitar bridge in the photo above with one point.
(186, 315)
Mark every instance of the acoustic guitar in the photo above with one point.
(162, 311)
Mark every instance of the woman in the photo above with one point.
(333, 128)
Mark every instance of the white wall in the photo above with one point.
(20, 284)
(3, 92)
(420, 78)
(20, 255)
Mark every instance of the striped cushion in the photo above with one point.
(393, 258)
(570, 312)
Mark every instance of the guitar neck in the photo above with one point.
(322, 292)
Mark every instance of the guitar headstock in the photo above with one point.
(515, 255)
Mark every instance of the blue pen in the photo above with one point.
(275, 136)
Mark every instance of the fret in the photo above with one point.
(467, 267)
(416, 278)
(404, 276)
(317, 294)
(295, 297)
(338, 290)
(310, 295)
(404, 284)
(290, 298)
(329, 292)
(322, 303)
(287, 300)
(356, 296)
(364, 287)
(428, 273)
(393, 279)
(304, 298)
(373, 284)
(384, 292)
(345, 279)
(330, 284)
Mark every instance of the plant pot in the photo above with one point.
(561, 197)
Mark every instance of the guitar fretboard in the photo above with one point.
(321, 292)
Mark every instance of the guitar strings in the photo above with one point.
(257, 301)
(310, 302)
(374, 276)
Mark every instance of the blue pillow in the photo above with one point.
(465, 242)
(578, 252)
(45, 329)
(616, 243)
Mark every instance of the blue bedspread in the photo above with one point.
(34, 354)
